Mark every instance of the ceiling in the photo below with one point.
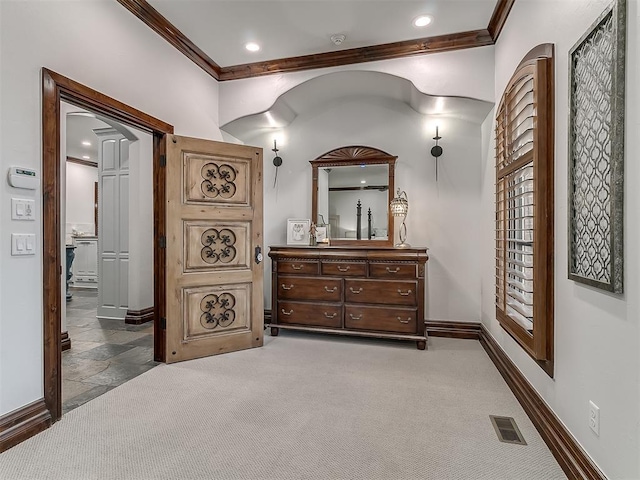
(80, 129)
(290, 28)
(81, 140)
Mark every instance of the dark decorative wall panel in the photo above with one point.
(596, 152)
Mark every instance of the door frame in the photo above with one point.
(57, 88)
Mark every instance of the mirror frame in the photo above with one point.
(355, 155)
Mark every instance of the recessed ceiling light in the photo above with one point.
(86, 157)
(422, 21)
(252, 47)
(86, 143)
(363, 181)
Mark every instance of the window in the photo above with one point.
(524, 206)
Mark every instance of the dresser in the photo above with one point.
(362, 291)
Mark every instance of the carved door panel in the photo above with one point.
(214, 297)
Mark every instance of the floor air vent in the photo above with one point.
(507, 430)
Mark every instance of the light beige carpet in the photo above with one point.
(303, 406)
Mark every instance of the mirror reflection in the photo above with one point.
(353, 201)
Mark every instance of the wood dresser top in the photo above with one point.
(345, 252)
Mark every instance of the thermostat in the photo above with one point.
(21, 177)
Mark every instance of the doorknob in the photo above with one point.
(258, 255)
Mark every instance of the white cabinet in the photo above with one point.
(85, 263)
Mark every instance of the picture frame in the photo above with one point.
(596, 152)
(298, 231)
(321, 234)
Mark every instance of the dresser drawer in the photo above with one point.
(315, 314)
(392, 270)
(298, 288)
(380, 291)
(302, 267)
(397, 320)
(344, 269)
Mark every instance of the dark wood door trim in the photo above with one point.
(23, 423)
(163, 27)
(97, 102)
(55, 88)
(436, 44)
(159, 247)
(573, 460)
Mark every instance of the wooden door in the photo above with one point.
(214, 274)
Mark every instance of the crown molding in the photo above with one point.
(420, 46)
(499, 18)
(163, 27)
(436, 44)
(82, 161)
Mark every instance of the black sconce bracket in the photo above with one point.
(277, 161)
(436, 151)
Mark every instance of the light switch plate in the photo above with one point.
(23, 209)
(23, 244)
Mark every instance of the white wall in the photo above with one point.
(442, 216)
(99, 44)
(596, 334)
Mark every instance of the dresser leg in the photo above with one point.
(274, 331)
(422, 344)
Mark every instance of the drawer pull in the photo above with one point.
(356, 292)
(404, 294)
(297, 267)
(343, 269)
(286, 313)
(284, 287)
(359, 317)
(330, 290)
(330, 316)
(396, 270)
(404, 321)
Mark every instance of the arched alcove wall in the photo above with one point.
(389, 113)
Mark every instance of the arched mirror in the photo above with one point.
(352, 188)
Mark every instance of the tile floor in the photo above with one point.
(103, 353)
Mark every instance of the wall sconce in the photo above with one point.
(400, 208)
(277, 161)
(436, 150)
